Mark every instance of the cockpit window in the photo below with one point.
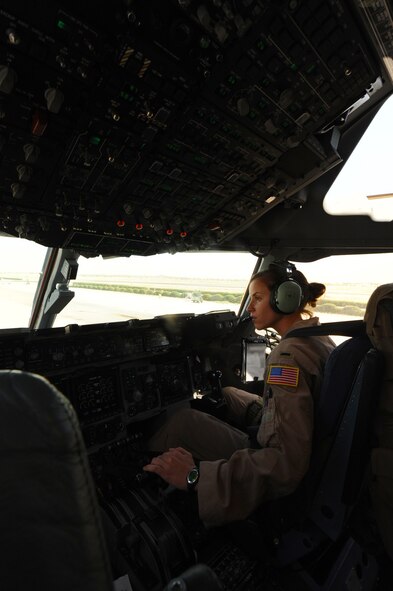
(143, 287)
(21, 264)
(349, 280)
(364, 185)
(118, 289)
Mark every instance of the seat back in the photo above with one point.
(341, 469)
(342, 442)
(50, 530)
(308, 531)
(340, 375)
(311, 528)
(379, 325)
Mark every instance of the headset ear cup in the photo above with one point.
(286, 297)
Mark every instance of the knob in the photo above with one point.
(137, 395)
(128, 208)
(222, 35)
(271, 126)
(18, 190)
(61, 61)
(34, 355)
(39, 122)
(286, 98)
(13, 36)
(54, 99)
(32, 153)
(8, 79)
(203, 16)
(24, 173)
(147, 213)
(243, 107)
(82, 72)
(293, 140)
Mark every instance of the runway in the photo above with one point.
(91, 306)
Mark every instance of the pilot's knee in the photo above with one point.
(229, 391)
(175, 431)
(237, 402)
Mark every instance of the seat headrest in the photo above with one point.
(379, 322)
(383, 292)
(35, 415)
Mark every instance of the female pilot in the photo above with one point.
(234, 476)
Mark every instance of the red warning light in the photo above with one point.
(139, 227)
(120, 223)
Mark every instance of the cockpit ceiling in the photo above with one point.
(142, 127)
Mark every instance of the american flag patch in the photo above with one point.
(283, 375)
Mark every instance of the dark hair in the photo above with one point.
(311, 291)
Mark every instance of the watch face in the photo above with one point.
(193, 477)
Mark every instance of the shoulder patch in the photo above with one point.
(283, 375)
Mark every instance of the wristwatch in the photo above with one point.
(192, 478)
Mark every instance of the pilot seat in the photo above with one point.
(335, 532)
(50, 530)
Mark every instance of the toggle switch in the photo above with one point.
(32, 153)
(54, 100)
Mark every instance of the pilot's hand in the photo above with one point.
(173, 466)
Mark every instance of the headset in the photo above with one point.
(287, 294)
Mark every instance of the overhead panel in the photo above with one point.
(143, 127)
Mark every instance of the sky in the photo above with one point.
(204, 264)
(362, 175)
(14, 256)
(368, 171)
(20, 255)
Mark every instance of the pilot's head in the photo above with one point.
(280, 296)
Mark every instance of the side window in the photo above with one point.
(21, 264)
(349, 280)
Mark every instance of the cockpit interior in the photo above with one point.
(136, 128)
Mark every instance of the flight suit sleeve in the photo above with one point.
(231, 490)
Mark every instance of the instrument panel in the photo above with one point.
(120, 374)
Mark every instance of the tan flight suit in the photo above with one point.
(234, 478)
(380, 331)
